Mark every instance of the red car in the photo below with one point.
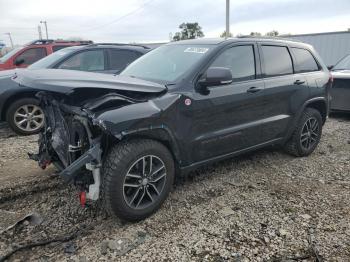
(34, 51)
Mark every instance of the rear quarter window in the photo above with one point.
(305, 62)
(277, 61)
(119, 59)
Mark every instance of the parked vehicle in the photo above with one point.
(183, 105)
(18, 105)
(22, 57)
(340, 91)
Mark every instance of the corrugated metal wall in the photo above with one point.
(331, 46)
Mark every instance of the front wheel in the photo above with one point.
(137, 178)
(307, 134)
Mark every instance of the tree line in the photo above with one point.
(194, 30)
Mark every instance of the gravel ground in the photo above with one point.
(263, 206)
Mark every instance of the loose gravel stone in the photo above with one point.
(263, 206)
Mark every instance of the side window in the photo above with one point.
(92, 60)
(58, 47)
(277, 61)
(241, 61)
(119, 59)
(32, 55)
(305, 62)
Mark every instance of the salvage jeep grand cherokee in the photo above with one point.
(123, 138)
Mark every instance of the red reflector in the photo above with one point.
(82, 198)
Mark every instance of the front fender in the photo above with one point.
(147, 119)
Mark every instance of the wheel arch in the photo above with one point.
(318, 103)
(160, 134)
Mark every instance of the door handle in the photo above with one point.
(299, 82)
(253, 89)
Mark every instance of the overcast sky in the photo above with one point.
(154, 20)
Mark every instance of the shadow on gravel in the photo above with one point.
(5, 131)
(341, 116)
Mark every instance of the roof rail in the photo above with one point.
(270, 37)
(121, 44)
(88, 42)
(40, 41)
(50, 41)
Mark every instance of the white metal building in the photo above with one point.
(331, 46)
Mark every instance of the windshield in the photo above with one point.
(9, 54)
(50, 59)
(343, 64)
(167, 63)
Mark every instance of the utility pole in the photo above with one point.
(9, 34)
(45, 23)
(227, 18)
(40, 33)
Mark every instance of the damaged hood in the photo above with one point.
(67, 81)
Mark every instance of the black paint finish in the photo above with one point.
(199, 125)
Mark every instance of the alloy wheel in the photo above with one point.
(29, 118)
(144, 182)
(310, 133)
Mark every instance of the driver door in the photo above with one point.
(229, 118)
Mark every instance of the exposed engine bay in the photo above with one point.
(82, 121)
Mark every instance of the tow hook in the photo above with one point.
(82, 198)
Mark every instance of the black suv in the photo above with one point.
(183, 105)
(18, 105)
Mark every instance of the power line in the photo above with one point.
(124, 16)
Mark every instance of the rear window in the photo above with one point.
(305, 62)
(277, 61)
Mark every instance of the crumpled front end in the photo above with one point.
(72, 142)
(75, 137)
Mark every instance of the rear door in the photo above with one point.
(307, 66)
(284, 91)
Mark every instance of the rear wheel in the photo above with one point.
(307, 134)
(137, 178)
(25, 117)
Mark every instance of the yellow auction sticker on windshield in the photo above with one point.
(198, 50)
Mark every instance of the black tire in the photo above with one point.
(119, 162)
(297, 146)
(10, 116)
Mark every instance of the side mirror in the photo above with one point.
(216, 76)
(330, 67)
(19, 61)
